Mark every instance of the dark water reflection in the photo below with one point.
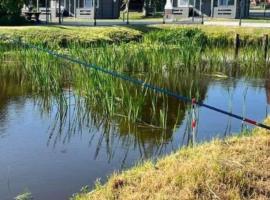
(53, 147)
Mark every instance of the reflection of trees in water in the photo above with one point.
(73, 116)
(10, 91)
(145, 134)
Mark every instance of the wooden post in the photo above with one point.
(163, 19)
(265, 46)
(237, 45)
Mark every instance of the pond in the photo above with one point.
(53, 150)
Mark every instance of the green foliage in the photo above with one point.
(11, 7)
(24, 196)
(10, 12)
(178, 36)
(59, 37)
(13, 20)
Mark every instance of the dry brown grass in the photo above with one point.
(237, 168)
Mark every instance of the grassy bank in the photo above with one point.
(62, 36)
(220, 35)
(237, 168)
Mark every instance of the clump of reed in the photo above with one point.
(162, 57)
(106, 95)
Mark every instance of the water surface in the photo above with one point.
(54, 153)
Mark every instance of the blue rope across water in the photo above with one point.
(143, 84)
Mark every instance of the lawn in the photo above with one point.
(55, 36)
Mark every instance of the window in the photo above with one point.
(183, 2)
(226, 2)
(88, 3)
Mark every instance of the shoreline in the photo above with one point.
(234, 168)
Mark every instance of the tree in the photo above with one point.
(10, 12)
(11, 7)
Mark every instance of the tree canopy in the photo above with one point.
(11, 7)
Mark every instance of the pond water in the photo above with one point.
(54, 155)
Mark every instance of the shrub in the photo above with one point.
(10, 12)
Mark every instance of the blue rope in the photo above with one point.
(143, 84)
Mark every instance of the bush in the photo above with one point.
(178, 36)
(13, 21)
(10, 12)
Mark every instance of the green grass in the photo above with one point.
(62, 36)
(237, 168)
(139, 15)
(222, 35)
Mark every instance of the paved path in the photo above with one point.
(236, 23)
(117, 22)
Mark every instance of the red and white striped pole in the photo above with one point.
(194, 121)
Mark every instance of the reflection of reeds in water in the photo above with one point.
(115, 112)
(230, 109)
(244, 112)
(144, 119)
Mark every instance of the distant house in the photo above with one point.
(213, 8)
(105, 9)
(258, 2)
